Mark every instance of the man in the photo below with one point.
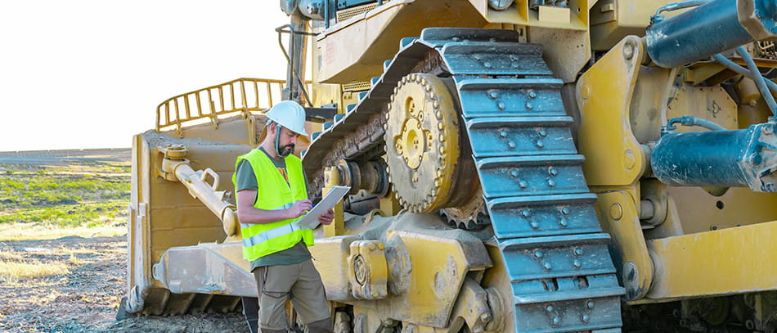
(271, 197)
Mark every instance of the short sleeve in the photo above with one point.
(246, 180)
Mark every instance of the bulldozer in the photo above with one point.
(514, 166)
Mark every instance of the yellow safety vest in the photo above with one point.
(273, 193)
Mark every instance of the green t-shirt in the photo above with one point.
(246, 180)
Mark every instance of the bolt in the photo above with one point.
(501, 106)
(542, 132)
(514, 173)
(616, 211)
(485, 317)
(531, 93)
(632, 274)
(585, 318)
(563, 222)
(502, 132)
(551, 183)
(629, 159)
(539, 144)
(523, 184)
(556, 321)
(628, 51)
(534, 225)
(589, 304)
(577, 263)
(525, 213)
(487, 64)
(529, 106)
(552, 171)
(546, 265)
(565, 211)
(578, 251)
(585, 92)
(767, 130)
(511, 144)
(514, 64)
(493, 94)
(539, 254)
(549, 308)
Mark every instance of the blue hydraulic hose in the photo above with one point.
(759, 80)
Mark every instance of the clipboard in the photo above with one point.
(310, 220)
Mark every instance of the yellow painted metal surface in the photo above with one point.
(425, 268)
(701, 211)
(203, 185)
(620, 219)
(427, 282)
(611, 20)
(368, 272)
(576, 15)
(614, 159)
(337, 227)
(207, 104)
(422, 147)
(354, 50)
(721, 262)
(613, 156)
(332, 264)
(550, 14)
(389, 205)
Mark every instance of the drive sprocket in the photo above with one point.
(472, 215)
(422, 142)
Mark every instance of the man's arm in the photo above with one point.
(248, 214)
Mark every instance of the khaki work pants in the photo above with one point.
(299, 283)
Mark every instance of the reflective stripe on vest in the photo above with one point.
(272, 233)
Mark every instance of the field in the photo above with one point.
(63, 250)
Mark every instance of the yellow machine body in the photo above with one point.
(704, 252)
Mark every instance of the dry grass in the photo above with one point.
(10, 256)
(13, 271)
(32, 231)
(73, 260)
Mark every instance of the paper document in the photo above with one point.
(310, 220)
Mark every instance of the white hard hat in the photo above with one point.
(289, 114)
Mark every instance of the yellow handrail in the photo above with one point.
(220, 99)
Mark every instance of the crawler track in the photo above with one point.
(537, 198)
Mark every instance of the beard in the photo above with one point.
(286, 150)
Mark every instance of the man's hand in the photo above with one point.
(326, 218)
(298, 208)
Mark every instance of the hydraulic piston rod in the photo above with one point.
(714, 27)
(176, 168)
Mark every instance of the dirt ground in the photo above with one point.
(87, 297)
(85, 274)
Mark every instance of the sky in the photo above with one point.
(90, 73)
